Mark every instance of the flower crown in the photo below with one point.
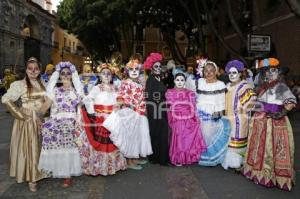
(151, 59)
(201, 63)
(134, 64)
(62, 65)
(107, 66)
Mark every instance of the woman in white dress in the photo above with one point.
(98, 153)
(60, 156)
(129, 126)
(210, 107)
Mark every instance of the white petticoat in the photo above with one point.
(233, 158)
(129, 132)
(61, 163)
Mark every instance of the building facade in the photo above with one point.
(25, 30)
(66, 47)
(272, 18)
(147, 40)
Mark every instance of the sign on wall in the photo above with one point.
(259, 43)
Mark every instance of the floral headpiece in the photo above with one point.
(201, 62)
(235, 64)
(151, 59)
(62, 65)
(105, 66)
(55, 78)
(133, 64)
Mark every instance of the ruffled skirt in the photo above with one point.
(216, 135)
(99, 162)
(129, 132)
(187, 142)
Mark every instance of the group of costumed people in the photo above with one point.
(124, 121)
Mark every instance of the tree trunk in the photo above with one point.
(257, 13)
(173, 46)
(234, 24)
(217, 34)
(196, 22)
(295, 6)
(199, 28)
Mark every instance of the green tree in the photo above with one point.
(98, 24)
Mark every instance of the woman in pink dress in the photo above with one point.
(187, 142)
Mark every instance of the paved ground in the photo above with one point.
(153, 182)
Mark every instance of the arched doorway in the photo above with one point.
(31, 32)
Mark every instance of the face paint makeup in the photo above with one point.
(234, 75)
(156, 69)
(179, 81)
(106, 76)
(134, 72)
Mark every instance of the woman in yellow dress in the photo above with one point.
(25, 141)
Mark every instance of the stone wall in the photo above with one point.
(16, 15)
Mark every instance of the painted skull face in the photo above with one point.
(106, 76)
(65, 75)
(272, 74)
(156, 69)
(134, 72)
(32, 70)
(234, 75)
(179, 81)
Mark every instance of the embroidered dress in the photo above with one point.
(59, 154)
(98, 153)
(129, 127)
(269, 159)
(214, 127)
(25, 143)
(187, 142)
(238, 99)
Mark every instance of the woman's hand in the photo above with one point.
(289, 106)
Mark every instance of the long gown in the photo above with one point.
(129, 126)
(215, 128)
(25, 143)
(60, 156)
(187, 142)
(239, 98)
(98, 153)
(269, 159)
(158, 122)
